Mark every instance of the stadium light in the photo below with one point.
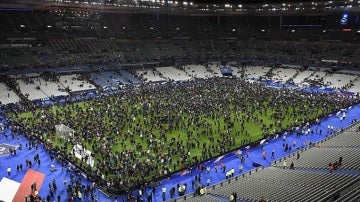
(240, 6)
(49, 26)
(263, 30)
(22, 26)
(233, 30)
(185, 3)
(293, 31)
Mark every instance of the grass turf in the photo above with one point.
(249, 124)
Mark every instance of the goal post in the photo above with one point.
(64, 131)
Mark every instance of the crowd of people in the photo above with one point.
(145, 133)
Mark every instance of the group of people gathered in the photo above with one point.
(147, 132)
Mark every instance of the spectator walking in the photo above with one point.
(9, 170)
(240, 168)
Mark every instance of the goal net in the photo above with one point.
(64, 131)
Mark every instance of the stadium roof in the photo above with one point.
(189, 6)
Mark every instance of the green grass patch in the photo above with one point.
(166, 125)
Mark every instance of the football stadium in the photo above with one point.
(163, 100)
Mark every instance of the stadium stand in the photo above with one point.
(304, 183)
(117, 78)
(317, 77)
(214, 68)
(355, 86)
(7, 96)
(353, 195)
(302, 75)
(197, 71)
(256, 72)
(31, 87)
(129, 77)
(282, 74)
(173, 74)
(281, 185)
(74, 83)
(310, 160)
(108, 79)
(150, 75)
(338, 81)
